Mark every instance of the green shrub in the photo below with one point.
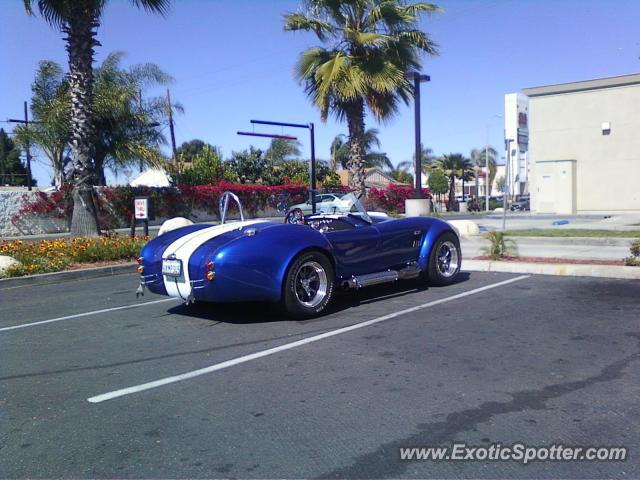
(634, 259)
(499, 246)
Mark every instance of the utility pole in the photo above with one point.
(417, 79)
(140, 106)
(313, 167)
(486, 177)
(173, 135)
(26, 147)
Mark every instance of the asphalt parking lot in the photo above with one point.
(494, 358)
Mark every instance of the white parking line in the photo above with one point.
(86, 314)
(288, 346)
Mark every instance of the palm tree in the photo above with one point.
(370, 47)
(79, 20)
(467, 174)
(282, 149)
(126, 126)
(479, 158)
(455, 165)
(401, 172)
(427, 158)
(50, 107)
(340, 151)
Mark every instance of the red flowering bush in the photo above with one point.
(254, 198)
(57, 204)
(114, 204)
(392, 198)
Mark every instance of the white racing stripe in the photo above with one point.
(288, 346)
(85, 314)
(184, 247)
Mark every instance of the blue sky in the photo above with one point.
(232, 62)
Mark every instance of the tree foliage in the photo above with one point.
(127, 127)
(282, 149)
(51, 110)
(207, 167)
(186, 152)
(438, 182)
(401, 172)
(12, 171)
(479, 158)
(455, 165)
(373, 158)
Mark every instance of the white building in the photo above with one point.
(585, 146)
(516, 128)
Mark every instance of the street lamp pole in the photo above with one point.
(507, 142)
(308, 126)
(417, 79)
(486, 173)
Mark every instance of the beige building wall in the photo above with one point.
(568, 126)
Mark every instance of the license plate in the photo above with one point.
(172, 268)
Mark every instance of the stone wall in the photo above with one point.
(10, 203)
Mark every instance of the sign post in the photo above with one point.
(140, 213)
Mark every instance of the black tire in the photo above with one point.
(315, 270)
(440, 272)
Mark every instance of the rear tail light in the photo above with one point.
(210, 273)
(139, 260)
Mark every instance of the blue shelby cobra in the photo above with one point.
(298, 263)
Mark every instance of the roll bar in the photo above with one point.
(224, 205)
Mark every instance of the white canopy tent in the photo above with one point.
(154, 177)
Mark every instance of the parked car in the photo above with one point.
(325, 203)
(523, 203)
(301, 262)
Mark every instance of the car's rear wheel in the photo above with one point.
(445, 260)
(308, 285)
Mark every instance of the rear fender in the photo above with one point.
(253, 268)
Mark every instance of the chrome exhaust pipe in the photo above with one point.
(410, 271)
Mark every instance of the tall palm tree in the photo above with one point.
(370, 47)
(79, 20)
(455, 165)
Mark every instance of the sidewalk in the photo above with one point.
(575, 248)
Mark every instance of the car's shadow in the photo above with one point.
(258, 312)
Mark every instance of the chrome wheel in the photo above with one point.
(448, 259)
(311, 284)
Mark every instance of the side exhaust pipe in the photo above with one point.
(410, 271)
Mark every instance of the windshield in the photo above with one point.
(346, 204)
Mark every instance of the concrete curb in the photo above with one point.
(57, 277)
(561, 269)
